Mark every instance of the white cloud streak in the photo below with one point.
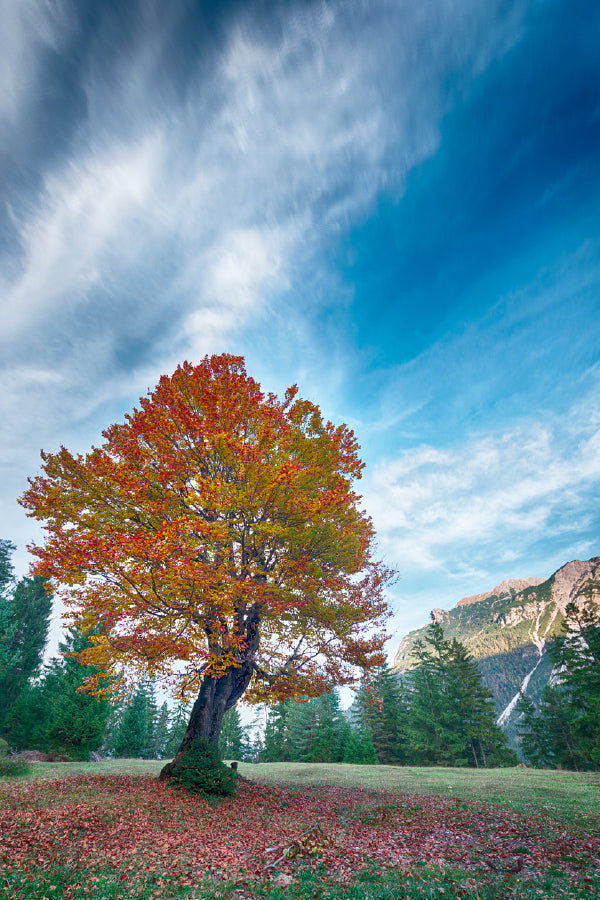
(489, 500)
(175, 220)
(86, 213)
(27, 27)
(300, 142)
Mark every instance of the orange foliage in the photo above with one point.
(215, 510)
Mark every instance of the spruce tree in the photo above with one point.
(25, 609)
(177, 726)
(233, 739)
(301, 729)
(53, 715)
(151, 748)
(531, 736)
(382, 710)
(78, 720)
(315, 729)
(486, 743)
(331, 729)
(29, 610)
(8, 626)
(7, 548)
(433, 722)
(565, 729)
(275, 747)
(451, 718)
(28, 721)
(131, 737)
(358, 748)
(156, 745)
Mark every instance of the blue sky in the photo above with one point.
(395, 205)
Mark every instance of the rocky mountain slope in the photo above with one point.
(507, 630)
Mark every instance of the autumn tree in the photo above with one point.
(215, 540)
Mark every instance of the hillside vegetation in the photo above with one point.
(508, 629)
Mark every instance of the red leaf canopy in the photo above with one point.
(213, 510)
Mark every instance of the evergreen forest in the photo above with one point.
(437, 714)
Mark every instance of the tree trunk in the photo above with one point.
(483, 756)
(216, 696)
(474, 753)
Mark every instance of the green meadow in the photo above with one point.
(97, 831)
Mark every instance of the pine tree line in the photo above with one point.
(438, 714)
(41, 707)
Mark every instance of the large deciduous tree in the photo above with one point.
(215, 539)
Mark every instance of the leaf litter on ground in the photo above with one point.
(140, 828)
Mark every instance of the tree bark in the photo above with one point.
(216, 696)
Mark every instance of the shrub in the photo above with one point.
(3, 748)
(12, 768)
(201, 771)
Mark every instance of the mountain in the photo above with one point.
(507, 630)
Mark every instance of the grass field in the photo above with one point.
(571, 795)
(109, 830)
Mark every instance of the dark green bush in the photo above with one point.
(11, 768)
(3, 748)
(201, 771)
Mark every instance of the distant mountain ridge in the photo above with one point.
(507, 629)
(506, 587)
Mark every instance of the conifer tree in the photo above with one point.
(315, 729)
(275, 747)
(331, 729)
(77, 720)
(177, 725)
(451, 717)
(486, 743)
(433, 723)
(233, 739)
(131, 737)
(52, 715)
(565, 730)
(25, 609)
(28, 721)
(157, 742)
(31, 607)
(301, 728)
(7, 548)
(358, 748)
(151, 748)
(382, 710)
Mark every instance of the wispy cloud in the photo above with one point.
(91, 210)
(196, 204)
(291, 136)
(492, 500)
(28, 28)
